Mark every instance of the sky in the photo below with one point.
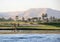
(23, 5)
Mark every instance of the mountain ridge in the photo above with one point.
(33, 12)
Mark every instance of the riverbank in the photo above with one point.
(42, 28)
(32, 27)
(29, 31)
(28, 25)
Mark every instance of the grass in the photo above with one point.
(41, 25)
(36, 27)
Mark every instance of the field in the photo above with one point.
(32, 25)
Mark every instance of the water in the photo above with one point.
(29, 37)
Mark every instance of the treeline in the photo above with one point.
(4, 19)
(52, 24)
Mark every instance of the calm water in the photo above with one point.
(29, 37)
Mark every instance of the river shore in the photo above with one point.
(29, 31)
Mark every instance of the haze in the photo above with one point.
(22, 5)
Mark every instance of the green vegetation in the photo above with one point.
(38, 25)
(35, 22)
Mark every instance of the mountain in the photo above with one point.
(52, 12)
(36, 12)
(33, 12)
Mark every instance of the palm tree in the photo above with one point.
(35, 19)
(10, 19)
(29, 19)
(15, 24)
(39, 18)
(46, 17)
(54, 19)
(23, 19)
(43, 16)
(51, 18)
(16, 18)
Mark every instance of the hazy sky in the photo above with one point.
(22, 5)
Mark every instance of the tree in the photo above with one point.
(39, 18)
(58, 20)
(10, 19)
(43, 16)
(16, 18)
(47, 20)
(50, 19)
(54, 19)
(23, 19)
(35, 19)
(29, 19)
(2, 19)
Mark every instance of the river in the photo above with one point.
(29, 37)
